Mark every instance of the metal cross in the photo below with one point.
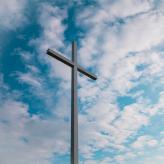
(74, 111)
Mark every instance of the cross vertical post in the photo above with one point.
(74, 100)
(74, 110)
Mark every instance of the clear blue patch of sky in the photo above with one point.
(153, 129)
(155, 126)
(159, 47)
(123, 101)
(61, 159)
(149, 90)
(102, 154)
(141, 67)
(157, 3)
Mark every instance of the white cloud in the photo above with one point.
(50, 19)
(109, 11)
(27, 139)
(39, 87)
(111, 47)
(143, 141)
(90, 162)
(28, 78)
(52, 37)
(141, 33)
(12, 14)
(30, 139)
(119, 37)
(153, 159)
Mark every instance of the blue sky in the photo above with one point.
(120, 115)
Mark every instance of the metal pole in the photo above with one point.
(74, 110)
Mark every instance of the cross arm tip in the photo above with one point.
(95, 77)
(90, 75)
(48, 50)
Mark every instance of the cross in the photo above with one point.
(74, 111)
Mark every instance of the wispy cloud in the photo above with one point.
(12, 14)
(38, 139)
(118, 39)
(121, 43)
(29, 79)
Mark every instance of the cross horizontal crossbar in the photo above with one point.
(70, 63)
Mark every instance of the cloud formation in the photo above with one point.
(122, 42)
(29, 138)
(12, 14)
(117, 42)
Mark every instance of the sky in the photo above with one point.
(120, 114)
